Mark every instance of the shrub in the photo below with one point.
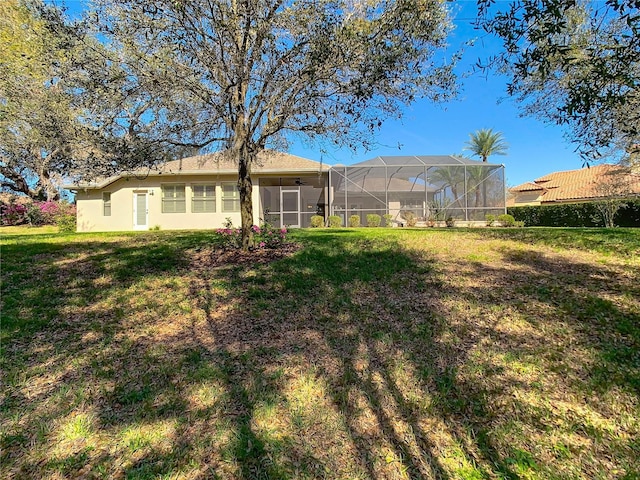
(13, 214)
(506, 220)
(335, 221)
(36, 217)
(50, 211)
(387, 219)
(20, 211)
(317, 221)
(450, 222)
(373, 220)
(268, 236)
(575, 215)
(66, 222)
(229, 237)
(410, 217)
(354, 221)
(489, 219)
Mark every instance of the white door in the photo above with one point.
(140, 211)
(290, 211)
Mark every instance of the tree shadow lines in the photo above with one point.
(369, 323)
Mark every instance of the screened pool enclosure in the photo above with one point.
(430, 187)
(427, 188)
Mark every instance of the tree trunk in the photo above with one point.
(245, 158)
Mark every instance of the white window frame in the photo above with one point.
(235, 198)
(106, 204)
(174, 200)
(205, 199)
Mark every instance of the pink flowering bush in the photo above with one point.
(271, 237)
(13, 214)
(24, 211)
(265, 236)
(230, 238)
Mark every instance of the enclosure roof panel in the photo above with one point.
(420, 160)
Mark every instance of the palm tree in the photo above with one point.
(486, 142)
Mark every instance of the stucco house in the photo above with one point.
(200, 192)
(575, 186)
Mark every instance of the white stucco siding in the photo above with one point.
(90, 205)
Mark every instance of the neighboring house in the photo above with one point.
(201, 192)
(575, 186)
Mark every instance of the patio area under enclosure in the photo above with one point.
(432, 188)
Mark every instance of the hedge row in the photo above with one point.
(575, 215)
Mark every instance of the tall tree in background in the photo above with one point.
(248, 74)
(40, 129)
(67, 108)
(573, 63)
(486, 142)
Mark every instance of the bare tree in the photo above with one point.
(613, 187)
(246, 75)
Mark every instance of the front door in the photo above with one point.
(140, 211)
(290, 211)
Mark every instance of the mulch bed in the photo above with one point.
(214, 258)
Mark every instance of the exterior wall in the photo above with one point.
(90, 205)
(526, 198)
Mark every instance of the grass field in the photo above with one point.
(369, 353)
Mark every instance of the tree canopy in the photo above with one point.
(30, 107)
(246, 75)
(61, 110)
(574, 63)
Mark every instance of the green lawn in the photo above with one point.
(369, 353)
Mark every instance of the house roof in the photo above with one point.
(217, 164)
(267, 162)
(527, 187)
(584, 184)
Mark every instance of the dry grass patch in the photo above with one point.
(364, 354)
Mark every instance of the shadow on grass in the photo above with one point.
(348, 359)
(618, 241)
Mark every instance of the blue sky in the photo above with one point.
(535, 148)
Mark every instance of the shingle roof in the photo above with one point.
(269, 161)
(583, 184)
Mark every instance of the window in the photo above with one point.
(106, 204)
(173, 199)
(230, 197)
(203, 199)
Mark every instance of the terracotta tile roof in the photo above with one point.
(527, 187)
(584, 184)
